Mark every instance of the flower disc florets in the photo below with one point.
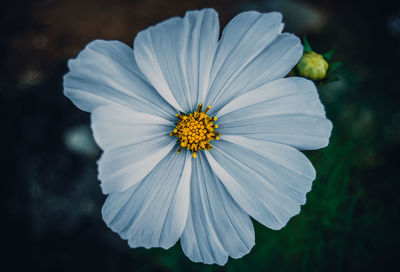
(196, 130)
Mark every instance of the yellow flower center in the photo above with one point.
(196, 130)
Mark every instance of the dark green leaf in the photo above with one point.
(334, 65)
(328, 55)
(307, 46)
(331, 79)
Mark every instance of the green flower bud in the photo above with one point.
(312, 66)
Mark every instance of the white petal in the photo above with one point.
(257, 182)
(216, 226)
(280, 56)
(122, 168)
(243, 39)
(286, 111)
(133, 144)
(104, 73)
(283, 166)
(116, 126)
(153, 213)
(273, 63)
(176, 56)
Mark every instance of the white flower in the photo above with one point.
(156, 196)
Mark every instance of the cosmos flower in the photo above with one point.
(200, 134)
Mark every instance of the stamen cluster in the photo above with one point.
(196, 130)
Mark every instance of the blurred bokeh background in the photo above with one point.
(51, 199)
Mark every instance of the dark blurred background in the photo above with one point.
(51, 199)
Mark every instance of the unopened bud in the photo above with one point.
(312, 66)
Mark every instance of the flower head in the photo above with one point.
(175, 168)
